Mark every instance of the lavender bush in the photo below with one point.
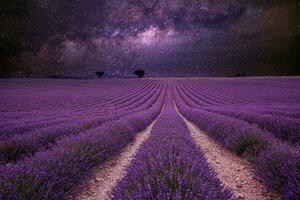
(279, 167)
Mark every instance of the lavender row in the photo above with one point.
(19, 128)
(169, 165)
(284, 128)
(245, 139)
(19, 146)
(210, 98)
(35, 95)
(93, 106)
(86, 107)
(253, 90)
(279, 167)
(275, 162)
(52, 174)
(288, 109)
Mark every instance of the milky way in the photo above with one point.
(162, 37)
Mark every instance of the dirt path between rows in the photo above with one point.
(235, 173)
(106, 176)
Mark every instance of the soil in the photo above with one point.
(106, 176)
(236, 173)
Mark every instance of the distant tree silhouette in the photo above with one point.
(100, 74)
(240, 75)
(139, 73)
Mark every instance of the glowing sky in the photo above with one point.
(162, 37)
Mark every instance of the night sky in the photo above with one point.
(76, 38)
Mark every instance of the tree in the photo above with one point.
(240, 75)
(139, 73)
(100, 74)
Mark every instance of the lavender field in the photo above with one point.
(66, 139)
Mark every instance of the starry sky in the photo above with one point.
(76, 38)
